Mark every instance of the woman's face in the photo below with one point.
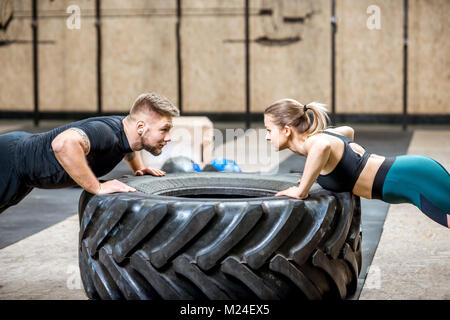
(277, 136)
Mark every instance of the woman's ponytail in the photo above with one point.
(320, 115)
(291, 113)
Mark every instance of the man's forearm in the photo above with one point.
(134, 161)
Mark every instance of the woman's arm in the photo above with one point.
(318, 155)
(318, 152)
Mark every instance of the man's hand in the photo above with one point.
(152, 171)
(113, 186)
(293, 192)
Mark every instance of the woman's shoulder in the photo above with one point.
(346, 131)
(318, 140)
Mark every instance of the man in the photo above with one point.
(79, 152)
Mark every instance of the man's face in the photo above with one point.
(156, 132)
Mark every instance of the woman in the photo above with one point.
(340, 165)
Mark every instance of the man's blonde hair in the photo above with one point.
(154, 102)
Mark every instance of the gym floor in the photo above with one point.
(405, 254)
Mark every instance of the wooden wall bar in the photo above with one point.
(429, 57)
(369, 63)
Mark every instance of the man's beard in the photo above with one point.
(153, 150)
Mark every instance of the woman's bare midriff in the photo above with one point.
(363, 186)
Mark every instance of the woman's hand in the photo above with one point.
(293, 192)
(152, 171)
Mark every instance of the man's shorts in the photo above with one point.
(12, 190)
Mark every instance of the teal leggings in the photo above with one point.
(421, 181)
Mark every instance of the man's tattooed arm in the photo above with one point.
(86, 142)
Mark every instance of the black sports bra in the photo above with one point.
(347, 171)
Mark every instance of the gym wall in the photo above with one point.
(289, 54)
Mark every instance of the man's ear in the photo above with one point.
(140, 126)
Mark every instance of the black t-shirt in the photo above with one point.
(38, 166)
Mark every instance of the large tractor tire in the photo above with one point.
(220, 236)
